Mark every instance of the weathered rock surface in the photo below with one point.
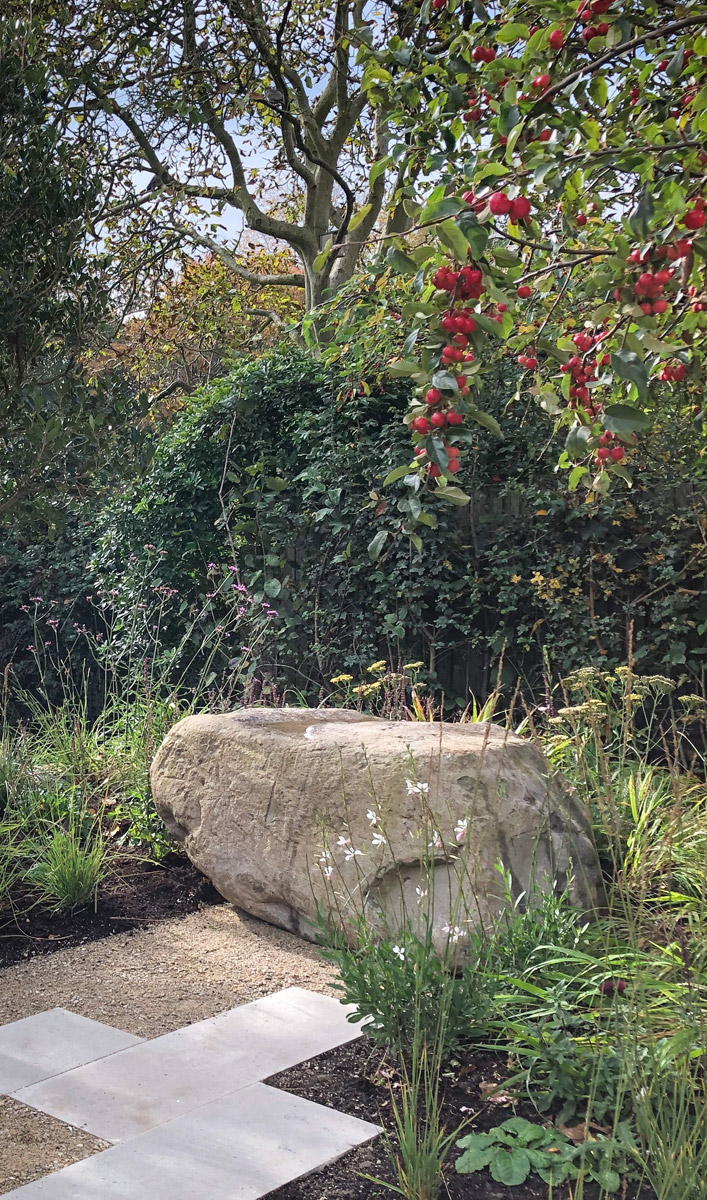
(256, 796)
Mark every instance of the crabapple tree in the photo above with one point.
(555, 185)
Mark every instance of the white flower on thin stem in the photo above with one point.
(325, 855)
(421, 894)
(378, 840)
(350, 853)
(435, 842)
(328, 872)
(453, 932)
(372, 816)
(416, 788)
(400, 952)
(460, 829)
(342, 841)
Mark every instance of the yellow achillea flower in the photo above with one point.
(341, 679)
(377, 666)
(412, 666)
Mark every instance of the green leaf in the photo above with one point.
(453, 495)
(403, 366)
(624, 418)
(476, 1158)
(609, 1179)
(272, 588)
(491, 170)
(487, 421)
(275, 483)
(627, 365)
(321, 259)
(359, 216)
(402, 263)
(599, 91)
(522, 1128)
(577, 438)
(376, 544)
(641, 216)
(476, 234)
(513, 32)
(445, 381)
(444, 206)
(488, 325)
(452, 236)
(510, 1166)
(676, 64)
(575, 475)
(396, 474)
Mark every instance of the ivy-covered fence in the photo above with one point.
(275, 470)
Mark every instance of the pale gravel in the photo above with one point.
(147, 983)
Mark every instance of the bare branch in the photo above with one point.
(283, 280)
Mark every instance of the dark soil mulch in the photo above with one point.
(135, 894)
(353, 1080)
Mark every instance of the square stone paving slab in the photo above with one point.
(52, 1042)
(237, 1148)
(156, 1081)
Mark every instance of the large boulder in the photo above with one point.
(285, 809)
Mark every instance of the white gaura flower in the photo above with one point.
(460, 829)
(400, 952)
(416, 788)
(453, 932)
(435, 842)
(350, 853)
(324, 856)
(421, 894)
(342, 841)
(378, 840)
(328, 872)
(372, 816)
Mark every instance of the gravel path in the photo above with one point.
(146, 983)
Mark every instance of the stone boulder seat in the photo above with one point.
(282, 807)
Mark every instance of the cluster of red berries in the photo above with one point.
(461, 321)
(455, 353)
(467, 283)
(680, 249)
(433, 470)
(649, 286)
(476, 103)
(697, 306)
(587, 9)
(673, 372)
(528, 361)
(438, 420)
(584, 372)
(485, 54)
(592, 31)
(695, 217)
(502, 206)
(606, 451)
(541, 82)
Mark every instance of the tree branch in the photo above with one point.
(617, 51)
(283, 280)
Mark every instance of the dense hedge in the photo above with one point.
(529, 573)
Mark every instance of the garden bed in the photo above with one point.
(355, 1079)
(135, 893)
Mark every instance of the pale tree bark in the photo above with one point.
(315, 132)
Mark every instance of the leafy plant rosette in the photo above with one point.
(551, 166)
(518, 1148)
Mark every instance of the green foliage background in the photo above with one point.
(299, 458)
